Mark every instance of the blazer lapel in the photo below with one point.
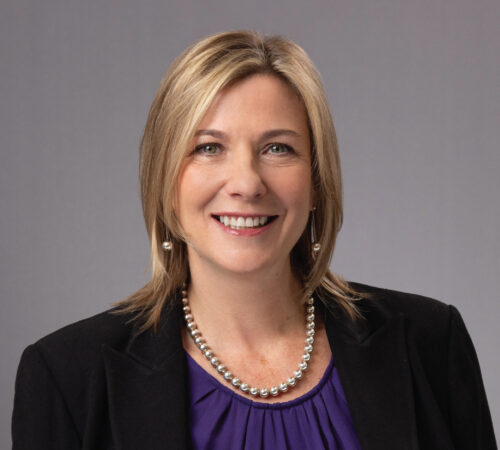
(372, 363)
(147, 389)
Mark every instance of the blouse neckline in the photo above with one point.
(255, 404)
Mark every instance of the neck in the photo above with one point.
(249, 310)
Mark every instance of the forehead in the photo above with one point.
(258, 101)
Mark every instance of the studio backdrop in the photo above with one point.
(414, 92)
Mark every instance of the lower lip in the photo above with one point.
(245, 231)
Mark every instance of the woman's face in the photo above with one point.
(244, 192)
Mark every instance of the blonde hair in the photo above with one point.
(183, 97)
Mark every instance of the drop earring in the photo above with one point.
(316, 246)
(167, 244)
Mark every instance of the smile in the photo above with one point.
(244, 223)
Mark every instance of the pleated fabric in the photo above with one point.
(223, 419)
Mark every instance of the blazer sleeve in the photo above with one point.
(470, 419)
(41, 419)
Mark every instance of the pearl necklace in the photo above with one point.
(221, 369)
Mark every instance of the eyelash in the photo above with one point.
(284, 146)
(199, 148)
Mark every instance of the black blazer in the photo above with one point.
(409, 372)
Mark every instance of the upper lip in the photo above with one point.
(233, 214)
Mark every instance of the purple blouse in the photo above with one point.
(223, 419)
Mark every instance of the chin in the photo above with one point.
(243, 268)
(263, 265)
(240, 261)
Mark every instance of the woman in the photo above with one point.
(243, 338)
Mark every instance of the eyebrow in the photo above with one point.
(266, 135)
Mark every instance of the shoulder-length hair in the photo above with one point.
(183, 97)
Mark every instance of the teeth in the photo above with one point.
(243, 222)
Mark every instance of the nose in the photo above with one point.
(244, 177)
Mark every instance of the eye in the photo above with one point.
(279, 149)
(207, 149)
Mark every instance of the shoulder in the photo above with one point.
(61, 374)
(90, 334)
(427, 321)
(75, 350)
(441, 357)
(434, 344)
(388, 302)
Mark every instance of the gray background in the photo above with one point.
(414, 90)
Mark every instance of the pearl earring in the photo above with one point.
(167, 244)
(316, 246)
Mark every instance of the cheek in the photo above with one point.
(295, 188)
(194, 188)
